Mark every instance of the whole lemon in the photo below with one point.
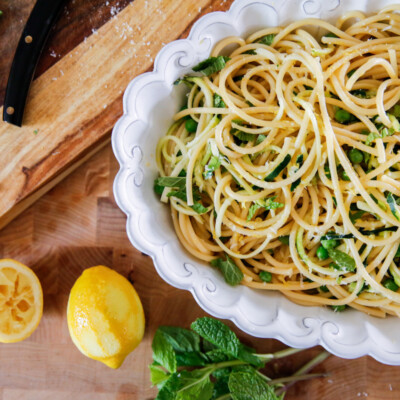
(105, 316)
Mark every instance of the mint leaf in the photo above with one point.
(169, 389)
(163, 352)
(181, 339)
(249, 386)
(217, 356)
(218, 334)
(195, 385)
(221, 387)
(199, 208)
(343, 260)
(158, 376)
(245, 354)
(190, 359)
(211, 65)
(231, 272)
(171, 181)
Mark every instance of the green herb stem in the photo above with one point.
(279, 354)
(224, 397)
(296, 378)
(321, 357)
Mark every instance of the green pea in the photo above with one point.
(322, 253)
(330, 244)
(191, 125)
(391, 285)
(342, 116)
(345, 177)
(356, 156)
(265, 276)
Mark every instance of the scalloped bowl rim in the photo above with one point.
(316, 327)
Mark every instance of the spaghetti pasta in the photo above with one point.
(282, 169)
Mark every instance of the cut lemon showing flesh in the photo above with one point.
(21, 301)
(105, 316)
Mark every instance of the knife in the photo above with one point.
(30, 45)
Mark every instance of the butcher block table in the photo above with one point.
(73, 223)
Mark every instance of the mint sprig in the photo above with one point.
(226, 368)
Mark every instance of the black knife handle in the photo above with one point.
(30, 45)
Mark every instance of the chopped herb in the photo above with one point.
(356, 215)
(268, 204)
(392, 204)
(36, 131)
(211, 65)
(339, 308)
(218, 102)
(237, 78)
(267, 39)
(391, 285)
(252, 52)
(327, 171)
(299, 162)
(252, 210)
(284, 239)
(349, 74)
(260, 139)
(324, 289)
(243, 136)
(211, 167)
(188, 82)
(331, 35)
(361, 93)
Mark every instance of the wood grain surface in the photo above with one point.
(77, 225)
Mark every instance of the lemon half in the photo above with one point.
(105, 316)
(21, 301)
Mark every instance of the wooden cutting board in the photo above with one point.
(77, 224)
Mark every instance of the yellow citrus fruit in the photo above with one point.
(21, 301)
(105, 316)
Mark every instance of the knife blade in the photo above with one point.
(30, 46)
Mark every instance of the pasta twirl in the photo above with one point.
(282, 169)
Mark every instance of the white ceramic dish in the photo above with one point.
(149, 104)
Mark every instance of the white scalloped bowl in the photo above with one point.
(150, 101)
